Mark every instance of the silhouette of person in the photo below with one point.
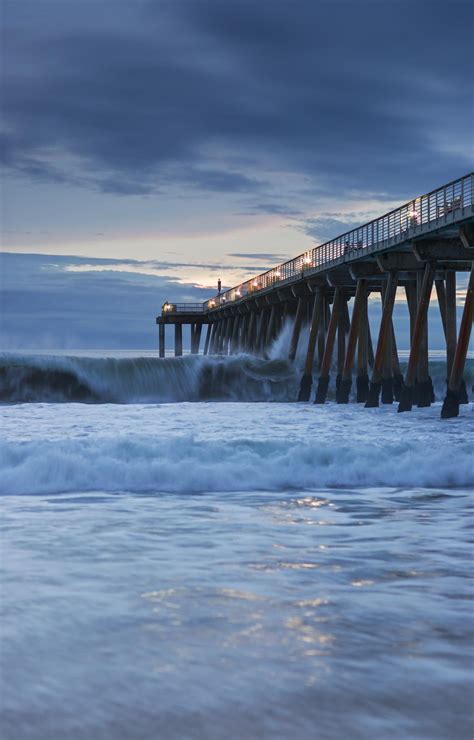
(219, 286)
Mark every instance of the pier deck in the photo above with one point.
(424, 242)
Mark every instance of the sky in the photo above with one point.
(149, 147)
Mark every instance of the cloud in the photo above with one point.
(267, 256)
(44, 305)
(227, 97)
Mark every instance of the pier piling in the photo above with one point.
(307, 377)
(406, 396)
(451, 402)
(384, 333)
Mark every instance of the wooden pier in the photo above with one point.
(411, 250)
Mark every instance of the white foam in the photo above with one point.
(231, 447)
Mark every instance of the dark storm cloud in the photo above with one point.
(223, 95)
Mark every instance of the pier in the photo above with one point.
(419, 246)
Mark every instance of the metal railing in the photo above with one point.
(437, 208)
(182, 308)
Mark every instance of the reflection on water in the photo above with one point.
(140, 619)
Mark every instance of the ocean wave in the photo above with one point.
(184, 464)
(55, 378)
(43, 378)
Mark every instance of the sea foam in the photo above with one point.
(185, 463)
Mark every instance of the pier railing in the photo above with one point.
(438, 207)
(168, 308)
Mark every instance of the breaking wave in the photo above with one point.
(25, 379)
(187, 465)
(45, 378)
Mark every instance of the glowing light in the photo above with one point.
(278, 274)
(413, 214)
(212, 303)
(166, 307)
(255, 284)
(307, 259)
(238, 293)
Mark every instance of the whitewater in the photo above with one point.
(188, 553)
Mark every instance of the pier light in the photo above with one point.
(238, 293)
(255, 284)
(307, 259)
(166, 306)
(277, 274)
(212, 303)
(223, 298)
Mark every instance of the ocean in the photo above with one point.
(188, 553)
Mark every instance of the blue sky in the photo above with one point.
(151, 147)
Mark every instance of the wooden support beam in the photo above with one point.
(226, 335)
(341, 338)
(384, 332)
(447, 308)
(212, 343)
(178, 340)
(270, 328)
(451, 401)
(307, 377)
(323, 382)
(208, 339)
(234, 342)
(466, 234)
(218, 341)
(297, 327)
(261, 332)
(424, 386)
(243, 339)
(342, 394)
(161, 339)
(397, 375)
(362, 379)
(370, 348)
(451, 328)
(406, 397)
(386, 395)
(251, 332)
(323, 326)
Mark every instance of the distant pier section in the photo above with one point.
(421, 244)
